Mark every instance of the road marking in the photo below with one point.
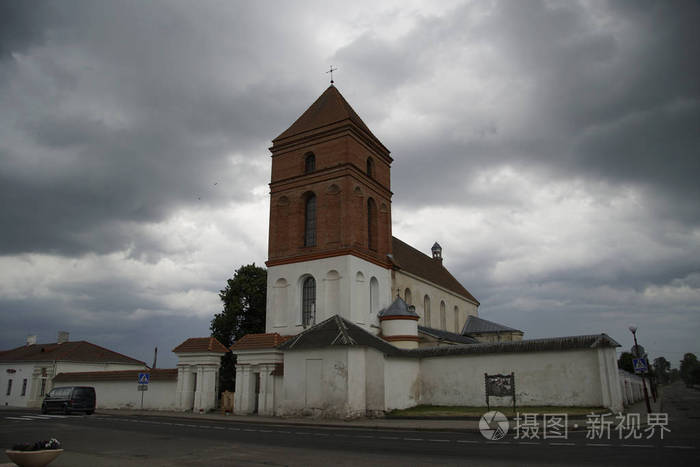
(599, 444)
(413, 439)
(56, 416)
(233, 429)
(272, 431)
(248, 429)
(192, 426)
(527, 442)
(562, 444)
(301, 433)
(467, 441)
(16, 418)
(389, 437)
(637, 446)
(220, 427)
(40, 417)
(680, 447)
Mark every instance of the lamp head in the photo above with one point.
(633, 329)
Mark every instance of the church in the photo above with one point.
(359, 322)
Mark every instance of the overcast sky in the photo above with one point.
(552, 148)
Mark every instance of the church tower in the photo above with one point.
(330, 220)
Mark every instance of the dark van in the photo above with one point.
(70, 399)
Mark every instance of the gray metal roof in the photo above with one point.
(337, 331)
(398, 308)
(446, 335)
(534, 345)
(476, 325)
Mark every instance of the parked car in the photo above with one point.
(70, 399)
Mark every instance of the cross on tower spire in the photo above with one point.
(331, 70)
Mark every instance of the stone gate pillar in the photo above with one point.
(200, 356)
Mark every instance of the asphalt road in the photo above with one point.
(111, 440)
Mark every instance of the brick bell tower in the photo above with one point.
(330, 220)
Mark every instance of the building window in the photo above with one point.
(9, 387)
(309, 163)
(407, 297)
(308, 301)
(24, 387)
(373, 295)
(457, 330)
(426, 308)
(443, 316)
(371, 224)
(310, 221)
(370, 167)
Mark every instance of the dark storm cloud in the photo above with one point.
(612, 91)
(122, 116)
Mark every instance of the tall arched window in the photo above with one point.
(308, 301)
(426, 308)
(407, 297)
(443, 316)
(309, 163)
(371, 224)
(457, 330)
(370, 167)
(373, 295)
(310, 220)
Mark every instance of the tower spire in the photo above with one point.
(331, 70)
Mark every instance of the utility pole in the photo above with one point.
(633, 329)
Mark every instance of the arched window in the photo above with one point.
(308, 301)
(370, 167)
(426, 308)
(310, 220)
(309, 163)
(373, 295)
(457, 330)
(371, 224)
(443, 316)
(407, 297)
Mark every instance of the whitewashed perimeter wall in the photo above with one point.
(119, 394)
(557, 378)
(402, 383)
(420, 288)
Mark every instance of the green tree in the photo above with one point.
(244, 313)
(662, 369)
(625, 362)
(688, 367)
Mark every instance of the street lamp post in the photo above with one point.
(633, 329)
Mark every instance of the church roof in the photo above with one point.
(476, 325)
(419, 264)
(398, 308)
(330, 108)
(259, 341)
(337, 331)
(201, 344)
(71, 351)
(446, 335)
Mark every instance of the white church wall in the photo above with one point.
(420, 288)
(562, 378)
(316, 382)
(342, 288)
(374, 383)
(401, 383)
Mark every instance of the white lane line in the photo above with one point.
(272, 431)
(530, 443)
(301, 433)
(221, 428)
(40, 417)
(389, 437)
(17, 418)
(192, 426)
(56, 416)
(232, 429)
(364, 436)
(248, 429)
(680, 447)
(413, 439)
(599, 444)
(468, 441)
(637, 446)
(439, 440)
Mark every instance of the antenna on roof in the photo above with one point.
(331, 70)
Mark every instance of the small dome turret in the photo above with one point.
(437, 251)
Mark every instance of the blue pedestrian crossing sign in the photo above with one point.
(640, 365)
(144, 378)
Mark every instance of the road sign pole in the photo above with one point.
(644, 384)
(142, 400)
